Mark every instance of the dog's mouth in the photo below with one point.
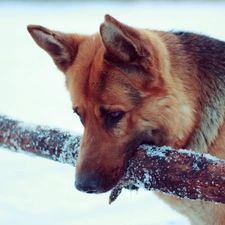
(100, 181)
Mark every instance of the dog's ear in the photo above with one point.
(121, 41)
(61, 47)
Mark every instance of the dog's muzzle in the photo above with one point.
(88, 183)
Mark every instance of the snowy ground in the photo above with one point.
(37, 191)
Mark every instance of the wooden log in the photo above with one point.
(51, 143)
(181, 173)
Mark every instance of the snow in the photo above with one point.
(39, 191)
(154, 150)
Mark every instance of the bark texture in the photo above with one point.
(181, 173)
(54, 144)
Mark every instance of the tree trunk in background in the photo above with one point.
(181, 173)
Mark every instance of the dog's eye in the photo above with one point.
(113, 118)
(116, 114)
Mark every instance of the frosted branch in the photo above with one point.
(54, 144)
(182, 173)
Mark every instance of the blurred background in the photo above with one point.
(38, 191)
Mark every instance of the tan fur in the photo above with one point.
(132, 86)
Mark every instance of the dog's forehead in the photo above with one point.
(92, 80)
(79, 76)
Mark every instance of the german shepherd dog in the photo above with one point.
(134, 86)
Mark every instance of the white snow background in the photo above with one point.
(38, 191)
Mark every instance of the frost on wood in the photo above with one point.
(50, 143)
(181, 173)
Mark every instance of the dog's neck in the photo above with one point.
(209, 78)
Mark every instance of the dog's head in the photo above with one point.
(121, 88)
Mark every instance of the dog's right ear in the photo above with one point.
(60, 46)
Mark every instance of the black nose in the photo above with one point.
(88, 183)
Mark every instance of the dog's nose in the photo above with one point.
(88, 183)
